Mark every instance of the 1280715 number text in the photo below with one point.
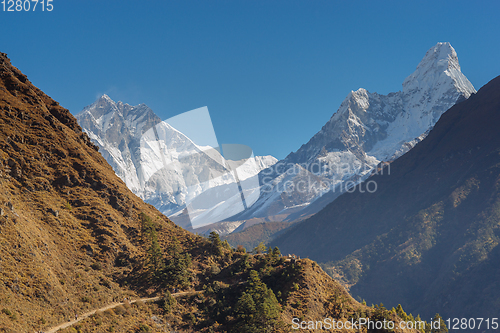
(27, 5)
(472, 323)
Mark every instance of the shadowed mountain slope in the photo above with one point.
(428, 237)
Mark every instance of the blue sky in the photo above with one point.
(271, 72)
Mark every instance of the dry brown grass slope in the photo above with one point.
(62, 210)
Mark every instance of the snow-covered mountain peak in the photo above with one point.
(360, 97)
(162, 165)
(102, 105)
(105, 97)
(104, 102)
(442, 55)
(438, 70)
(361, 93)
(368, 128)
(356, 100)
(110, 117)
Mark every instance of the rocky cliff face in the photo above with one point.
(159, 163)
(368, 128)
(116, 129)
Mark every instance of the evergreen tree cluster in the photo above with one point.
(237, 297)
(257, 310)
(176, 271)
(172, 269)
(428, 327)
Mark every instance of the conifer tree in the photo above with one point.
(257, 309)
(261, 248)
(245, 307)
(155, 254)
(438, 328)
(216, 243)
(168, 302)
(149, 234)
(401, 313)
(176, 272)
